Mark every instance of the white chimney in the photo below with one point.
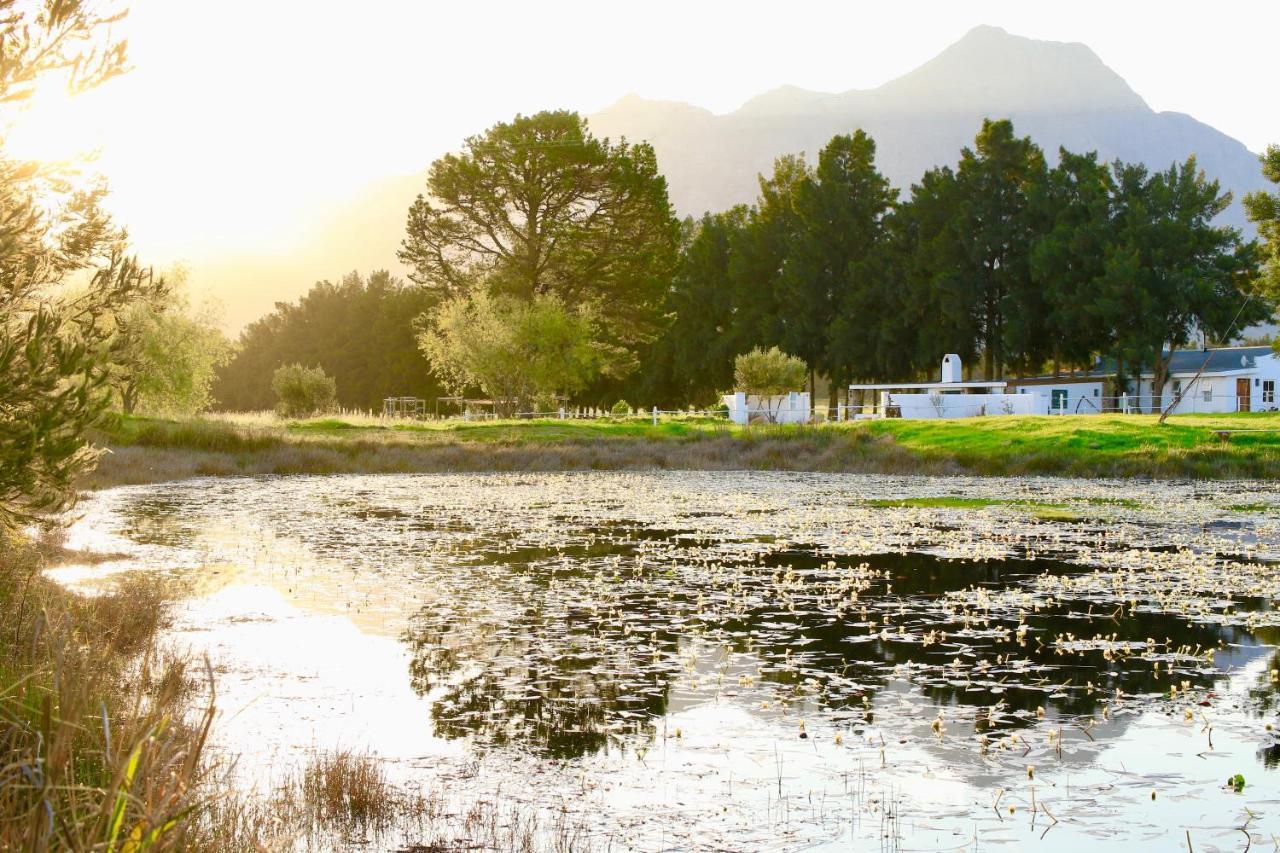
(951, 368)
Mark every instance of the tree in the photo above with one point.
(766, 373)
(1068, 258)
(1169, 271)
(164, 354)
(360, 330)
(829, 285)
(925, 253)
(702, 337)
(53, 345)
(182, 349)
(539, 207)
(759, 251)
(1263, 210)
(993, 229)
(303, 391)
(518, 351)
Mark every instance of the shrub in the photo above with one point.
(766, 373)
(620, 409)
(303, 391)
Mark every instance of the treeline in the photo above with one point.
(546, 263)
(359, 331)
(1017, 266)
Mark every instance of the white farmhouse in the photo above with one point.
(1208, 381)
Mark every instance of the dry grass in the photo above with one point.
(98, 748)
(344, 800)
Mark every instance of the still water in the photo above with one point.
(747, 661)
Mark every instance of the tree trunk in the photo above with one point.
(833, 399)
(813, 389)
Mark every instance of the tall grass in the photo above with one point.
(98, 748)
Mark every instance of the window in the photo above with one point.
(1177, 387)
(1208, 395)
(1269, 391)
(1059, 400)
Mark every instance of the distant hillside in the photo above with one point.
(1060, 94)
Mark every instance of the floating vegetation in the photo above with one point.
(789, 655)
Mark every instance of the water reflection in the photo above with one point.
(564, 651)
(597, 620)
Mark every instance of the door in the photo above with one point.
(1242, 394)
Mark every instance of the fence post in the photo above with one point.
(655, 415)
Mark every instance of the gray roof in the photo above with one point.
(1220, 360)
(1184, 361)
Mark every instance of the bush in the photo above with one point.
(303, 391)
(620, 409)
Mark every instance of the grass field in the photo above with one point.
(145, 450)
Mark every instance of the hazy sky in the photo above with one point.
(243, 121)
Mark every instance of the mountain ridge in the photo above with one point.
(1059, 93)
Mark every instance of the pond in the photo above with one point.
(747, 660)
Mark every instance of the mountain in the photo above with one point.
(1058, 93)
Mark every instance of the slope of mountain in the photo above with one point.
(1060, 94)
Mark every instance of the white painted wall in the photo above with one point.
(1082, 398)
(924, 406)
(790, 408)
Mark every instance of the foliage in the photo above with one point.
(1169, 271)
(834, 271)
(1001, 259)
(620, 409)
(539, 207)
(1263, 210)
(766, 373)
(54, 339)
(165, 354)
(303, 391)
(515, 350)
(359, 330)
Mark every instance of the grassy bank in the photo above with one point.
(149, 450)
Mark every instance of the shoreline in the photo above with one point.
(147, 450)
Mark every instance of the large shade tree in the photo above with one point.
(537, 206)
(1170, 271)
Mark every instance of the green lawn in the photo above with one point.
(1099, 445)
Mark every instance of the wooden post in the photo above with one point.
(655, 415)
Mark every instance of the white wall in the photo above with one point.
(1083, 398)
(790, 408)
(958, 405)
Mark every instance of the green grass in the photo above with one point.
(1087, 446)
